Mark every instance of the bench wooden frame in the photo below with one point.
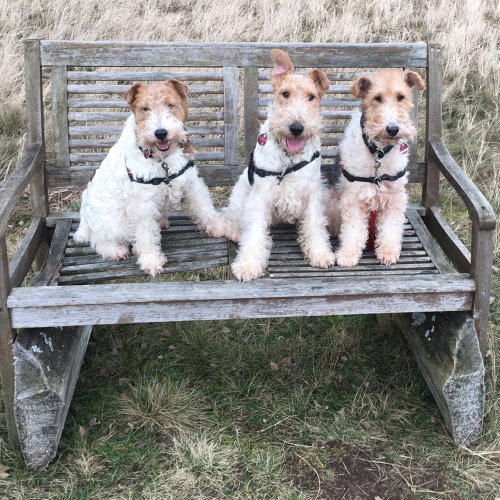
(440, 304)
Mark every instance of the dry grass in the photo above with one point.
(345, 396)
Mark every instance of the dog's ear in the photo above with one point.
(361, 86)
(132, 92)
(320, 80)
(282, 67)
(179, 87)
(413, 79)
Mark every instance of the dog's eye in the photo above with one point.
(400, 97)
(310, 97)
(146, 109)
(286, 95)
(171, 105)
(378, 98)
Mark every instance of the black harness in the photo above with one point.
(378, 153)
(252, 169)
(155, 181)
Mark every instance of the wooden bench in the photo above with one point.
(438, 294)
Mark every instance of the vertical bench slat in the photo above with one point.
(231, 145)
(414, 119)
(251, 109)
(433, 121)
(60, 115)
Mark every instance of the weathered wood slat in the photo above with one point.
(213, 175)
(367, 265)
(121, 89)
(98, 157)
(337, 76)
(327, 115)
(48, 273)
(107, 143)
(138, 302)
(428, 242)
(78, 103)
(456, 251)
(126, 273)
(333, 89)
(47, 364)
(200, 54)
(83, 130)
(17, 182)
(325, 102)
(7, 336)
(60, 115)
(20, 264)
(250, 109)
(298, 263)
(351, 274)
(332, 129)
(231, 135)
(141, 76)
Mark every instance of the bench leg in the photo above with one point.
(46, 366)
(446, 349)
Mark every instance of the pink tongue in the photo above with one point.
(294, 144)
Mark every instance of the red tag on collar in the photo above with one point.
(403, 148)
(262, 139)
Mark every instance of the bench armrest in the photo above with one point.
(17, 181)
(480, 211)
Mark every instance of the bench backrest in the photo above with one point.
(228, 85)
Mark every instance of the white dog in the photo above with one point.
(146, 173)
(283, 181)
(373, 159)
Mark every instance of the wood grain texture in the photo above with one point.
(201, 55)
(121, 89)
(141, 76)
(60, 115)
(17, 182)
(48, 273)
(480, 211)
(250, 109)
(7, 336)
(447, 352)
(20, 264)
(231, 135)
(433, 123)
(47, 364)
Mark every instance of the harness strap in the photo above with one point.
(252, 169)
(155, 181)
(373, 180)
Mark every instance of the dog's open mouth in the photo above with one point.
(163, 146)
(294, 144)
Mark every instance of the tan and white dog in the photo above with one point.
(373, 159)
(283, 181)
(145, 174)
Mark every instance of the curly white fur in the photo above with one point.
(298, 198)
(116, 212)
(350, 203)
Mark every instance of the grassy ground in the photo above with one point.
(297, 408)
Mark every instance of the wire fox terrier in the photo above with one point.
(148, 172)
(373, 157)
(283, 180)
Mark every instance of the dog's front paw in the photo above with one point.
(387, 255)
(322, 259)
(112, 251)
(152, 263)
(346, 259)
(247, 271)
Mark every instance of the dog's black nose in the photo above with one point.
(392, 130)
(161, 134)
(296, 128)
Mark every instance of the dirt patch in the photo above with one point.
(355, 474)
